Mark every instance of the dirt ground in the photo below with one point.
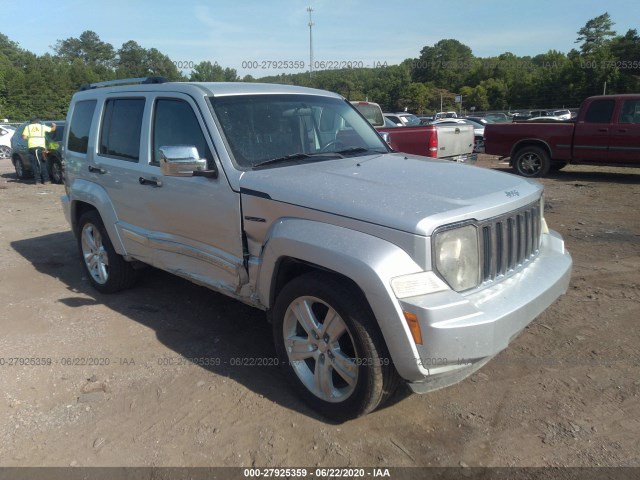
(96, 380)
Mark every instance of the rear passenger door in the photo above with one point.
(592, 133)
(625, 144)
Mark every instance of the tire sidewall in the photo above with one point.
(545, 162)
(358, 403)
(55, 166)
(120, 274)
(19, 166)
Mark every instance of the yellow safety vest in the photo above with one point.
(35, 135)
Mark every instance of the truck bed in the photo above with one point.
(450, 142)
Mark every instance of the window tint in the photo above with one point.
(121, 125)
(80, 125)
(630, 112)
(175, 123)
(600, 111)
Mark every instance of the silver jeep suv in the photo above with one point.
(374, 267)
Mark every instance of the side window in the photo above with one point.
(175, 123)
(121, 125)
(80, 126)
(630, 112)
(600, 111)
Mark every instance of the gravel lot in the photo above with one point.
(103, 380)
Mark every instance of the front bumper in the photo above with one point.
(462, 332)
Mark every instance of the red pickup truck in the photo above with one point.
(448, 142)
(605, 132)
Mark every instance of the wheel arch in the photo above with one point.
(369, 263)
(528, 142)
(88, 196)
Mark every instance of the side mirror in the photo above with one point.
(184, 161)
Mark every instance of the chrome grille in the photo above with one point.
(509, 242)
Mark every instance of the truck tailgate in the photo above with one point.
(454, 140)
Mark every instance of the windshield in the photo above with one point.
(276, 129)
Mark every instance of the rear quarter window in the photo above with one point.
(80, 126)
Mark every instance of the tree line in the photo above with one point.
(603, 62)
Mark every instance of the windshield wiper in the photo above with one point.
(349, 150)
(295, 156)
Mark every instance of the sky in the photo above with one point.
(249, 35)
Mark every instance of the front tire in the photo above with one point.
(5, 151)
(532, 162)
(331, 348)
(108, 272)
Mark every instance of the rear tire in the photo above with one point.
(531, 162)
(55, 174)
(21, 173)
(330, 347)
(108, 272)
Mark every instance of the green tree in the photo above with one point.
(446, 64)
(596, 34)
(417, 98)
(207, 72)
(626, 50)
(89, 48)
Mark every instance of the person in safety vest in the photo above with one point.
(34, 133)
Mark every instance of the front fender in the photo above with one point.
(82, 191)
(367, 260)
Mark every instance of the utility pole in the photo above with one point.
(310, 10)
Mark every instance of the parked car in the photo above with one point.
(6, 133)
(498, 117)
(21, 158)
(481, 120)
(440, 115)
(478, 130)
(374, 267)
(562, 114)
(546, 118)
(606, 132)
(403, 119)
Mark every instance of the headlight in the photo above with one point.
(457, 259)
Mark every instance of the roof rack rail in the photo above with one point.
(124, 81)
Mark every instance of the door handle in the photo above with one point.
(623, 130)
(98, 169)
(604, 130)
(154, 182)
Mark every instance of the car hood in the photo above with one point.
(410, 193)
